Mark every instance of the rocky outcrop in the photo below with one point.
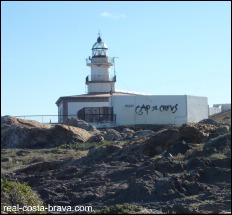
(196, 132)
(117, 174)
(127, 134)
(80, 124)
(32, 134)
(104, 151)
(111, 134)
(222, 117)
(144, 133)
(175, 169)
(97, 137)
(154, 144)
(209, 121)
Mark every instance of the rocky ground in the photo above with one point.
(165, 169)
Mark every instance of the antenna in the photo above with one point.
(114, 64)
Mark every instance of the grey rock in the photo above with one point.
(6, 160)
(112, 134)
(21, 133)
(80, 124)
(209, 121)
(144, 133)
(96, 138)
(222, 130)
(127, 130)
(196, 132)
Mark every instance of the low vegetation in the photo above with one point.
(17, 195)
(12, 159)
(196, 149)
(217, 156)
(84, 146)
(175, 171)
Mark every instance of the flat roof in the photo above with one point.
(104, 96)
(94, 95)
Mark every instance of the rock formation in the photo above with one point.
(22, 133)
(172, 169)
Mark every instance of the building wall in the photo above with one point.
(60, 112)
(214, 110)
(224, 107)
(197, 108)
(74, 107)
(100, 73)
(146, 109)
(140, 109)
(218, 108)
(100, 87)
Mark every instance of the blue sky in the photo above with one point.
(163, 48)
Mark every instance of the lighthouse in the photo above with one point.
(105, 106)
(100, 80)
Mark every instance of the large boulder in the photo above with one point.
(96, 138)
(144, 133)
(22, 133)
(127, 134)
(155, 144)
(104, 151)
(196, 132)
(209, 121)
(80, 124)
(160, 141)
(111, 134)
(221, 142)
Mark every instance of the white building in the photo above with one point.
(218, 108)
(104, 106)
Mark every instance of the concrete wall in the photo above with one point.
(100, 87)
(100, 73)
(148, 109)
(214, 110)
(197, 108)
(60, 113)
(141, 109)
(74, 107)
(224, 107)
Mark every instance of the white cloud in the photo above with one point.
(112, 16)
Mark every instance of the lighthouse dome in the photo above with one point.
(99, 48)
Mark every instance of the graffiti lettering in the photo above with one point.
(154, 108)
(139, 109)
(166, 108)
(174, 108)
(129, 105)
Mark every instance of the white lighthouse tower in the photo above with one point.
(100, 80)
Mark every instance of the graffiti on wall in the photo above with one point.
(140, 110)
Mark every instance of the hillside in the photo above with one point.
(223, 118)
(174, 169)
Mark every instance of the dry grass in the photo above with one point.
(196, 149)
(12, 159)
(224, 117)
(217, 156)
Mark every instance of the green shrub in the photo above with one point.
(179, 157)
(197, 148)
(217, 156)
(16, 195)
(83, 146)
